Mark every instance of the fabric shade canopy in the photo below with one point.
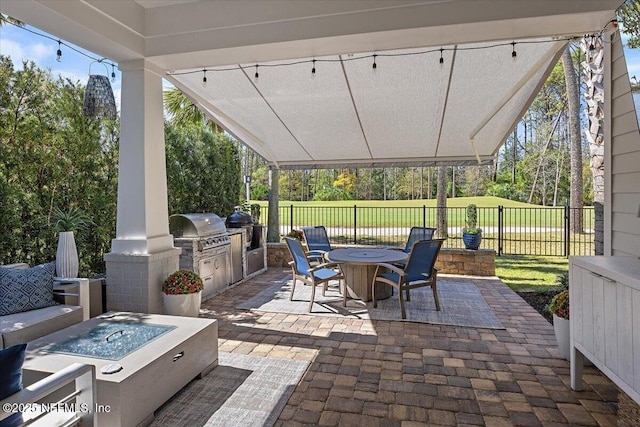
(410, 110)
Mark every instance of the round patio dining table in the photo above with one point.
(358, 266)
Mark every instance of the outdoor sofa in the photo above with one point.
(29, 287)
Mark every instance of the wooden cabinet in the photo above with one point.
(605, 319)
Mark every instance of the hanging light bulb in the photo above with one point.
(256, 75)
(375, 66)
(441, 58)
(59, 52)
(514, 54)
(113, 73)
(204, 77)
(313, 70)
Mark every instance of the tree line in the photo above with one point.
(52, 157)
(533, 165)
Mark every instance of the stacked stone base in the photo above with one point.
(450, 261)
(481, 262)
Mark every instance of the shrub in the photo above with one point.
(182, 282)
(472, 220)
(562, 280)
(559, 305)
(296, 234)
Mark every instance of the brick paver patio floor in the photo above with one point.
(387, 373)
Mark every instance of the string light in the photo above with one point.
(374, 66)
(204, 77)
(313, 70)
(113, 73)
(60, 44)
(59, 52)
(374, 56)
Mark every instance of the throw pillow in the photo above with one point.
(26, 289)
(11, 360)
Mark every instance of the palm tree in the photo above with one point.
(575, 147)
(594, 97)
(4, 19)
(184, 111)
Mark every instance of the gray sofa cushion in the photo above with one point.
(26, 289)
(29, 325)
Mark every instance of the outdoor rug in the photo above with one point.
(242, 390)
(461, 304)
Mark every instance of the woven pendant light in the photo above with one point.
(99, 102)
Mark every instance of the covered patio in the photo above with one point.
(258, 61)
(360, 371)
(388, 373)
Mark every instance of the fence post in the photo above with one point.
(291, 216)
(500, 225)
(355, 224)
(567, 229)
(424, 216)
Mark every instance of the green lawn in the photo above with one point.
(405, 213)
(530, 272)
(534, 273)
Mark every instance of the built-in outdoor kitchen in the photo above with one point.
(223, 251)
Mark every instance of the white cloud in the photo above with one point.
(40, 51)
(13, 50)
(70, 75)
(31, 52)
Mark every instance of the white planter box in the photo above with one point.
(561, 328)
(187, 305)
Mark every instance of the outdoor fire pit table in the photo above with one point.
(358, 266)
(153, 357)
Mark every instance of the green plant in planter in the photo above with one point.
(182, 282)
(471, 233)
(72, 220)
(559, 305)
(471, 220)
(296, 234)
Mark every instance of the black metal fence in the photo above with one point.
(507, 230)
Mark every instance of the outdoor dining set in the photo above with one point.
(367, 274)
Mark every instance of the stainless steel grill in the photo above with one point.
(206, 248)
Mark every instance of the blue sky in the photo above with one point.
(20, 44)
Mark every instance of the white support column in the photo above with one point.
(142, 254)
